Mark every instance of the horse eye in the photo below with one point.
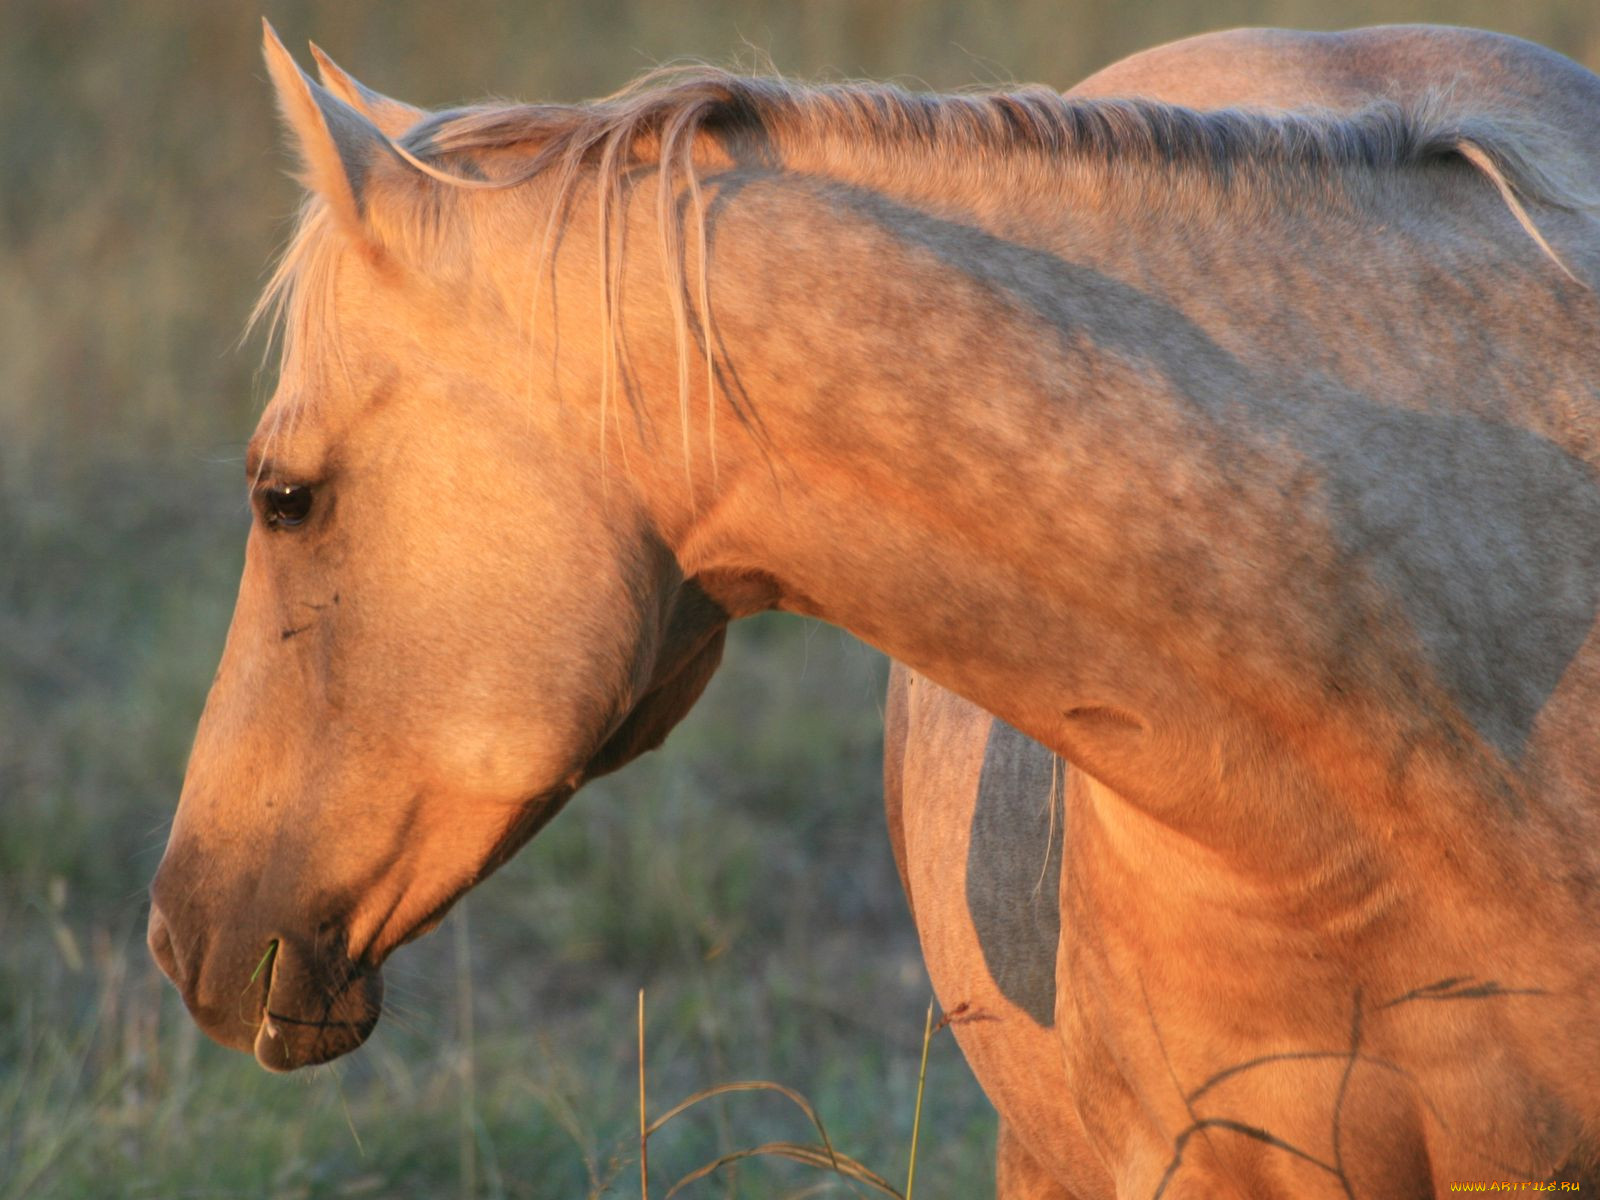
(286, 504)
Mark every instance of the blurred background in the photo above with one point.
(741, 875)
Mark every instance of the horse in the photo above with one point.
(970, 798)
(1178, 440)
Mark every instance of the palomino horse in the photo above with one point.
(1243, 461)
(971, 798)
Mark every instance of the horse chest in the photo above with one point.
(1199, 1055)
(1382, 1047)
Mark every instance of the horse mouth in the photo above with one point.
(316, 1007)
(308, 1017)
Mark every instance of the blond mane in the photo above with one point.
(666, 117)
(759, 117)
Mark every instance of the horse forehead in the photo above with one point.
(342, 376)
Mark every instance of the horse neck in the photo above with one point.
(1007, 466)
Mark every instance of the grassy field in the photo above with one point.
(741, 875)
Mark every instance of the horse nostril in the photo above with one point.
(160, 940)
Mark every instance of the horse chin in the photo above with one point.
(303, 1025)
(422, 930)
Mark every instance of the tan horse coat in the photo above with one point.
(969, 797)
(1247, 463)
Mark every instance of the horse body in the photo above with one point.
(969, 797)
(1177, 441)
(1470, 72)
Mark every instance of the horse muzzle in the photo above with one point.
(290, 1002)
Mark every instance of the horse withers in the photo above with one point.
(1239, 459)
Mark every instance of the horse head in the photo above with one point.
(452, 612)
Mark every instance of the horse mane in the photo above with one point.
(665, 116)
(761, 116)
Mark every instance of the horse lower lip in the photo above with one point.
(271, 1050)
(268, 1029)
(302, 1029)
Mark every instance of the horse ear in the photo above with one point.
(341, 148)
(393, 117)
